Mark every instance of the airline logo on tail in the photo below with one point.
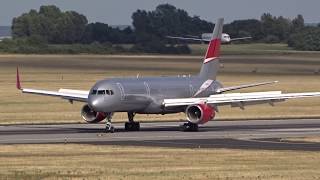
(213, 51)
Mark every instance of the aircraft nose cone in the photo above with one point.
(93, 103)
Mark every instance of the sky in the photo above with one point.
(118, 12)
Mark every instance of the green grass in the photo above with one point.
(68, 161)
(252, 49)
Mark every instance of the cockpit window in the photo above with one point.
(94, 92)
(109, 92)
(101, 92)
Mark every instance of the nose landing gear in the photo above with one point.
(109, 127)
(132, 125)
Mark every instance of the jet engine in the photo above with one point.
(200, 114)
(91, 116)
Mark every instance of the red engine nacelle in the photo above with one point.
(200, 114)
(91, 116)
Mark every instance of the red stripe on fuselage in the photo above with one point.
(213, 50)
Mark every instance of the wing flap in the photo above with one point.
(232, 88)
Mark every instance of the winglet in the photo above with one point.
(18, 85)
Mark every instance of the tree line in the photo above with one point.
(49, 25)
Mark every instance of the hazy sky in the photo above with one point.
(116, 12)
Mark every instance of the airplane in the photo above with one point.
(206, 37)
(198, 96)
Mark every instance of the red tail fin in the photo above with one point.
(210, 65)
(213, 51)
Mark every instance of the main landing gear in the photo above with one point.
(189, 127)
(109, 126)
(131, 125)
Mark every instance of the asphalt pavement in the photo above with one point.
(251, 134)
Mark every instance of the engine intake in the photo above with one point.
(200, 114)
(91, 116)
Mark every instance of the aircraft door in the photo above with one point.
(122, 95)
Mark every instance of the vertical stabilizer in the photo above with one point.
(211, 65)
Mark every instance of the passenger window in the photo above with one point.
(111, 92)
(94, 92)
(108, 92)
(101, 92)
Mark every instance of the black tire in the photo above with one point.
(132, 126)
(136, 126)
(194, 128)
(189, 127)
(127, 126)
(109, 129)
(112, 129)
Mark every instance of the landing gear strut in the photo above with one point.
(189, 127)
(131, 125)
(109, 126)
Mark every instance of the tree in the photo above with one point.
(241, 28)
(96, 32)
(277, 27)
(298, 23)
(307, 40)
(103, 33)
(152, 27)
(50, 24)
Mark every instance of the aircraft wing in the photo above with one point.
(232, 88)
(69, 94)
(203, 40)
(188, 38)
(242, 38)
(240, 99)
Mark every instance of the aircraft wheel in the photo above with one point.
(132, 126)
(109, 128)
(189, 127)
